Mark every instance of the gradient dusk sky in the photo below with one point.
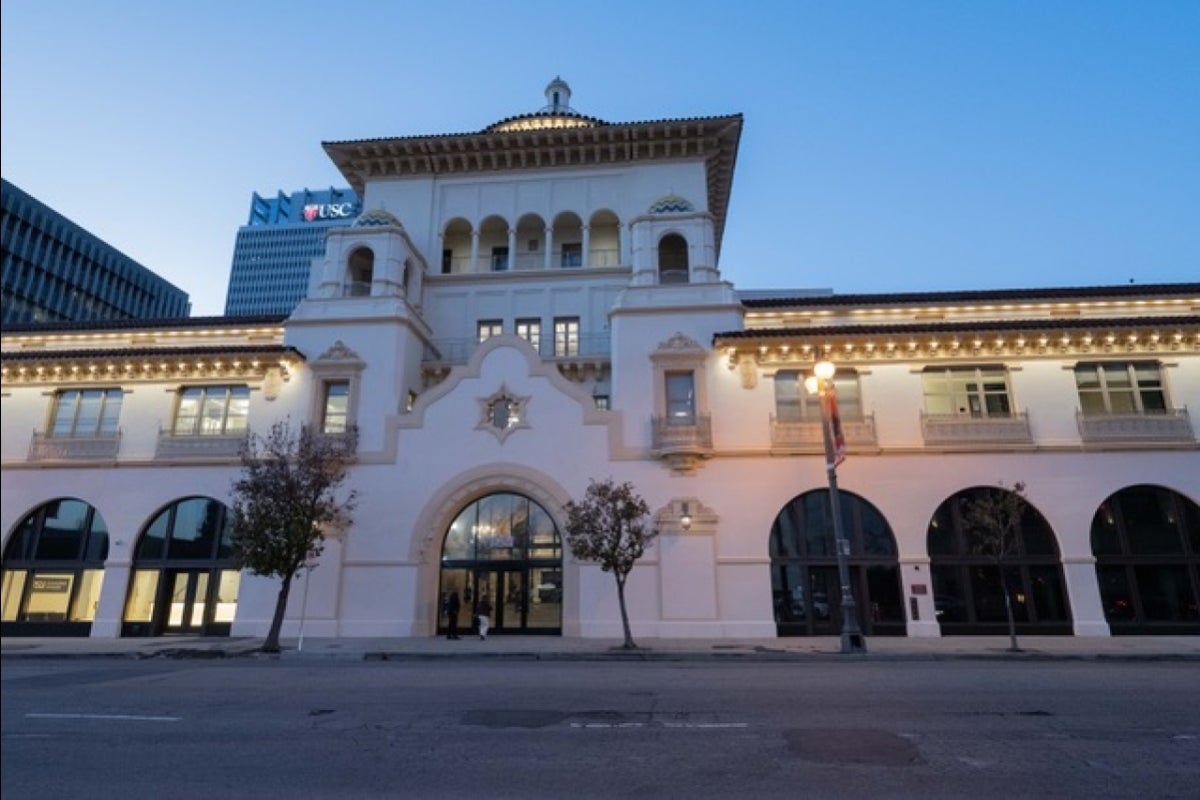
(888, 146)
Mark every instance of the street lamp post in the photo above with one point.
(821, 384)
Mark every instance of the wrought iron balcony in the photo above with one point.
(805, 435)
(966, 430)
(97, 447)
(199, 446)
(1171, 426)
(585, 346)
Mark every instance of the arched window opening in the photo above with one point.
(531, 243)
(568, 240)
(185, 578)
(967, 592)
(53, 570)
(604, 242)
(1146, 540)
(456, 247)
(360, 271)
(504, 548)
(673, 259)
(805, 583)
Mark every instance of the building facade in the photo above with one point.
(275, 249)
(56, 271)
(524, 309)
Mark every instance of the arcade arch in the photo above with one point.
(804, 574)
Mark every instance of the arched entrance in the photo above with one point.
(506, 548)
(1146, 540)
(53, 570)
(185, 579)
(804, 572)
(967, 593)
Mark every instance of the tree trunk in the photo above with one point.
(1012, 623)
(629, 645)
(271, 645)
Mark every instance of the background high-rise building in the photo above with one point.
(276, 246)
(55, 271)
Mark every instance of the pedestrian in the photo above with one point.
(483, 613)
(453, 606)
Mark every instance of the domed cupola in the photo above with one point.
(558, 97)
(557, 113)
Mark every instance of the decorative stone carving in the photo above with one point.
(503, 412)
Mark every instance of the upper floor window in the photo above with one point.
(337, 407)
(681, 398)
(566, 336)
(487, 328)
(572, 254)
(793, 403)
(966, 391)
(212, 411)
(360, 272)
(531, 331)
(447, 261)
(1119, 387)
(86, 412)
(499, 259)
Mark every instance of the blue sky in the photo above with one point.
(888, 146)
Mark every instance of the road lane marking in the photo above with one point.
(126, 717)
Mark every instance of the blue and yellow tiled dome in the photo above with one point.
(671, 204)
(376, 217)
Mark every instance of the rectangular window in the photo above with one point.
(86, 412)
(681, 398)
(337, 404)
(499, 259)
(212, 411)
(531, 331)
(447, 262)
(601, 402)
(487, 328)
(966, 391)
(1134, 387)
(566, 336)
(572, 255)
(793, 403)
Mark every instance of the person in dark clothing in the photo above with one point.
(483, 614)
(453, 606)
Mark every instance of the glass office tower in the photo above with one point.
(276, 246)
(55, 271)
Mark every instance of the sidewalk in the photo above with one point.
(548, 648)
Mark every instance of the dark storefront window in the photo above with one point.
(804, 574)
(1146, 540)
(968, 585)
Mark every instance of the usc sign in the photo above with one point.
(328, 211)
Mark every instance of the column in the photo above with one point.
(474, 251)
(512, 249)
(549, 247)
(587, 246)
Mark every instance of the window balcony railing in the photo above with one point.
(966, 430)
(533, 262)
(203, 446)
(356, 289)
(1169, 426)
(671, 439)
(585, 347)
(96, 447)
(804, 434)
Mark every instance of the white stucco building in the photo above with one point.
(521, 310)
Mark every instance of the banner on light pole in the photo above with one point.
(835, 423)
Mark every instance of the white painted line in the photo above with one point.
(698, 725)
(127, 717)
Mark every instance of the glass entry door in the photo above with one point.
(186, 601)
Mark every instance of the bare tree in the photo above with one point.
(286, 502)
(993, 520)
(609, 527)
